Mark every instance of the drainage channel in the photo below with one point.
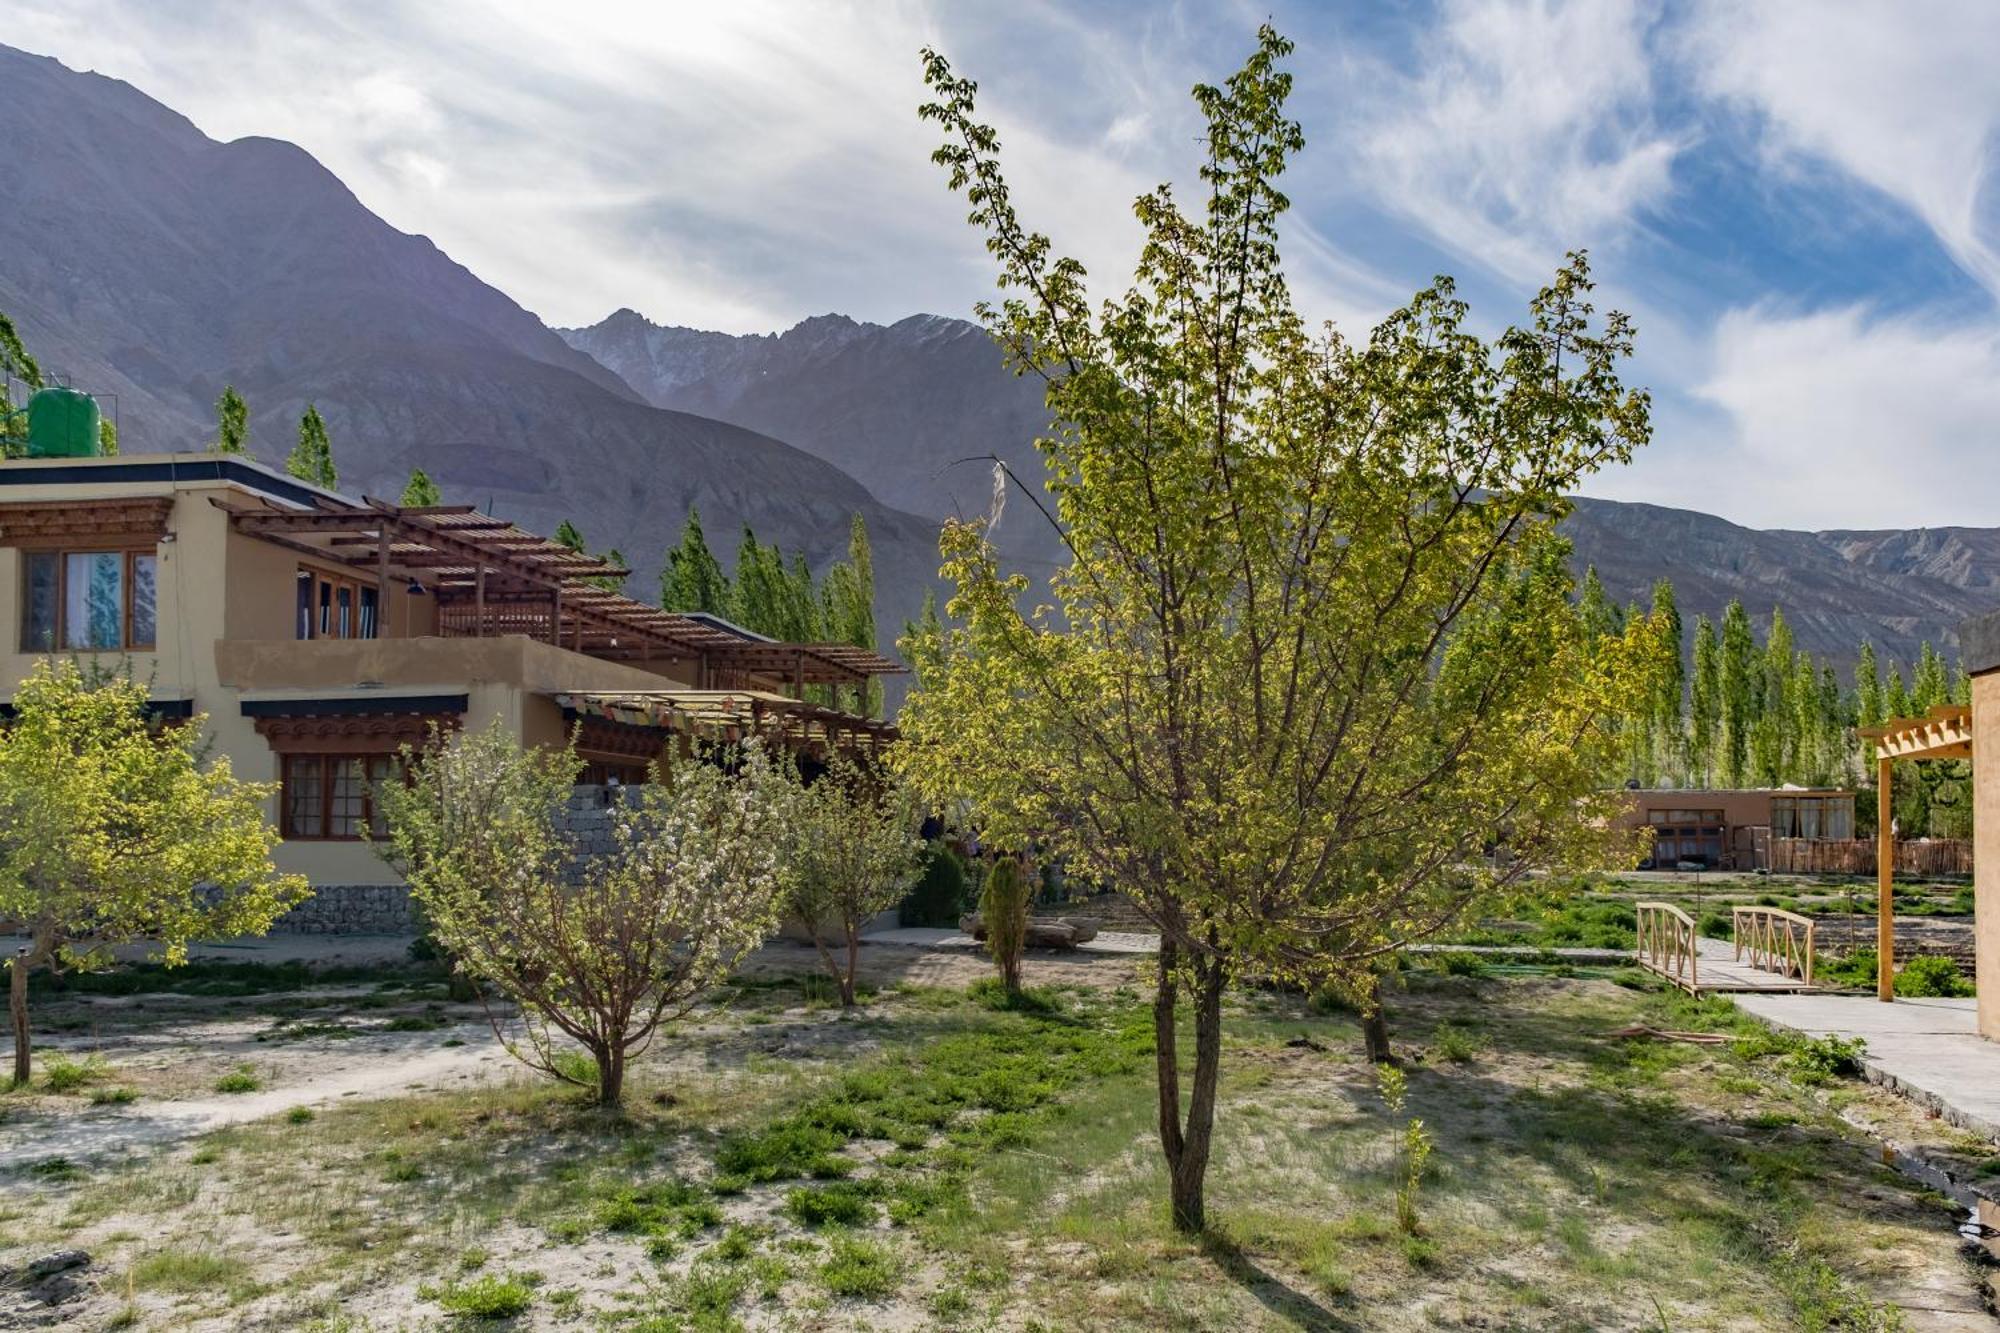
(1978, 1230)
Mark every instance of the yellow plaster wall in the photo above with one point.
(1986, 847)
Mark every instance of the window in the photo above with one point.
(89, 601)
(333, 795)
(332, 607)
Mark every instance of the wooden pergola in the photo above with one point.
(492, 578)
(1944, 733)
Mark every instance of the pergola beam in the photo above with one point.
(1943, 733)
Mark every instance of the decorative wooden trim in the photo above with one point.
(356, 733)
(99, 525)
(598, 737)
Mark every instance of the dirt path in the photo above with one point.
(366, 1067)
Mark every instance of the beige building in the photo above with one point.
(1733, 829)
(318, 634)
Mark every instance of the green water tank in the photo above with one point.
(62, 423)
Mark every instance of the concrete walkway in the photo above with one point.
(939, 937)
(1929, 1050)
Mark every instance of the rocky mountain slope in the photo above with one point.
(895, 405)
(148, 263)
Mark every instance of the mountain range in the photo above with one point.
(150, 264)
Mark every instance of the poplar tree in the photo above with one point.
(1705, 703)
(567, 534)
(1741, 693)
(693, 579)
(232, 422)
(420, 491)
(311, 458)
(1669, 686)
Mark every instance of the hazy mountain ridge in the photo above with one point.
(839, 389)
(148, 263)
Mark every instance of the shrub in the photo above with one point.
(939, 897)
(1455, 1043)
(243, 1078)
(1818, 1059)
(484, 1297)
(60, 1073)
(113, 1096)
(1003, 907)
(860, 1268)
(1931, 974)
(300, 1115)
(842, 1205)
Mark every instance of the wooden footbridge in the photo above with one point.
(1772, 951)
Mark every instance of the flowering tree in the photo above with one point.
(113, 829)
(852, 853)
(1310, 681)
(598, 948)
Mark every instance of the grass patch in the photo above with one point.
(187, 1270)
(243, 1078)
(66, 1073)
(860, 1269)
(489, 1297)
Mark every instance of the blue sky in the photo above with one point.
(1796, 201)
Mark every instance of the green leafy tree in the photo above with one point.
(568, 535)
(420, 491)
(1704, 703)
(1669, 700)
(848, 598)
(851, 853)
(1003, 912)
(693, 579)
(600, 949)
(760, 586)
(107, 437)
(113, 830)
(1741, 692)
(922, 638)
(232, 422)
(15, 364)
(1868, 699)
(1313, 650)
(311, 459)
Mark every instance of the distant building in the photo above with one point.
(319, 634)
(1732, 829)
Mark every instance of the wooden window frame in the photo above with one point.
(315, 579)
(129, 556)
(326, 764)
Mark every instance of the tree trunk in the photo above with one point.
(1375, 1025)
(17, 1012)
(853, 964)
(610, 1076)
(1187, 1142)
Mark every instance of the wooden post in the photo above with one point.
(479, 601)
(1885, 882)
(381, 584)
(555, 614)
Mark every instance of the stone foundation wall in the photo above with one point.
(386, 909)
(351, 909)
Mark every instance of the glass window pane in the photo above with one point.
(93, 599)
(350, 795)
(303, 791)
(367, 613)
(305, 605)
(325, 609)
(145, 605)
(38, 604)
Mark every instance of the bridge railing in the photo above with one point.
(1666, 943)
(1774, 940)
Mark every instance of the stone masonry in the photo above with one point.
(385, 909)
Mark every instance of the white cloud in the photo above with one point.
(1903, 97)
(1524, 131)
(1840, 420)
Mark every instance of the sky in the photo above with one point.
(1798, 202)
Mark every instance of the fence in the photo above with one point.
(1774, 940)
(1856, 856)
(1666, 943)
